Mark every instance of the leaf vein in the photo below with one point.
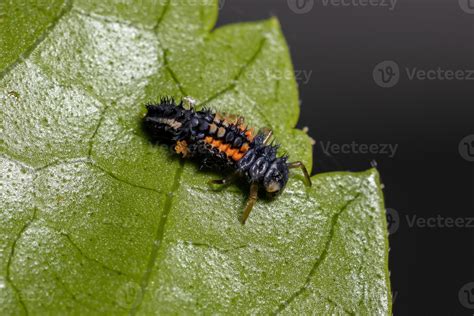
(67, 7)
(232, 84)
(172, 73)
(161, 17)
(114, 176)
(96, 130)
(73, 296)
(94, 164)
(10, 258)
(159, 238)
(320, 260)
(105, 267)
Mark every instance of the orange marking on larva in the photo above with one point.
(216, 143)
(182, 148)
(249, 135)
(244, 148)
(237, 156)
(208, 139)
(230, 152)
(224, 147)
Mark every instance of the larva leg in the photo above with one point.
(299, 164)
(250, 201)
(227, 180)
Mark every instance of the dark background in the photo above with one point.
(427, 119)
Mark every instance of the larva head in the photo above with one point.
(164, 122)
(276, 177)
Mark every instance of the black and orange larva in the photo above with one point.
(223, 143)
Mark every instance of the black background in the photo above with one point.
(341, 103)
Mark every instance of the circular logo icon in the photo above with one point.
(466, 148)
(393, 221)
(466, 295)
(386, 74)
(300, 6)
(467, 6)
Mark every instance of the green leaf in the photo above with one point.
(95, 219)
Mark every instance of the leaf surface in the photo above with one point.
(95, 219)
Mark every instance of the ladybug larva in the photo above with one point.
(222, 143)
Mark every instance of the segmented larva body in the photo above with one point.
(220, 142)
